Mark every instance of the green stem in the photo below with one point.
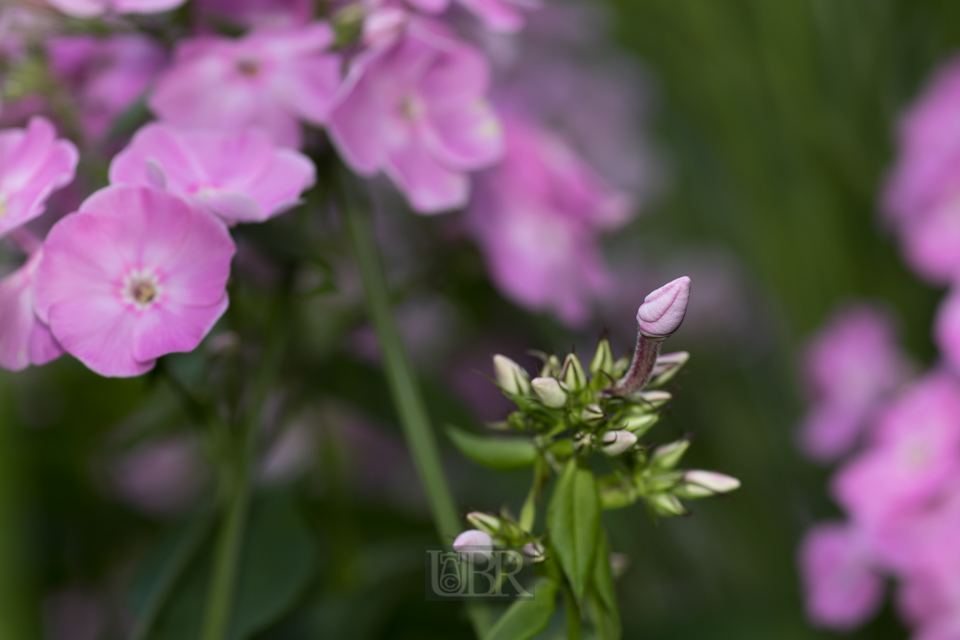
(226, 562)
(236, 483)
(572, 611)
(163, 588)
(404, 388)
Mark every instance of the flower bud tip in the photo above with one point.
(662, 310)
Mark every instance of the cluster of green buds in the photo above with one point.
(571, 421)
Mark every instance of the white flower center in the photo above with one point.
(141, 288)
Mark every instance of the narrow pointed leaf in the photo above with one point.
(573, 520)
(526, 618)
(496, 453)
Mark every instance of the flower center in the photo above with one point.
(248, 67)
(141, 289)
(410, 108)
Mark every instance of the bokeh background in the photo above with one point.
(772, 122)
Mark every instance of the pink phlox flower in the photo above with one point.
(270, 79)
(842, 588)
(135, 274)
(257, 13)
(497, 15)
(416, 109)
(536, 216)
(33, 164)
(850, 366)
(928, 164)
(24, 340)
(929, 241)
(91, 8)
(912, 458)
(105, 76)
(946, 329)
(242, 177)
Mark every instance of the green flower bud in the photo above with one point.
(617, 442)
(703, 484)
(511, 376)
(602, 362)
(667, 366)
(653, 399)
(666, 504)
(573, 375)
(550, 392)
(592, 413)
(667, 456)
(639, 422)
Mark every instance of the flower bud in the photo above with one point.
(662, 310)
(654, 399)
(639, 422)
(476, 541)
(580, 441)
(549, 392)
(667, 456)
(602, 362)
(511, 376)
(617, 442)
(666, 504)
(668, 365)
(702, 484)
(573, 375)
(592, 413)
(535, 550)
(487, 523)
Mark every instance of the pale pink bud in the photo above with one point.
(617, 442)
(475, 541)
(662, 311)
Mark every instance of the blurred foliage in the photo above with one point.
(775, 118)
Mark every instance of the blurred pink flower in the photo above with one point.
(136, 274)
(929, 242)
(536, 216)
(913, 456)
(90, 8)
(498, 15)
(270, 78)
(417, 110)
(24, 340)
(852, 364)
(257, 13)
(946, 329)
(160, 477)
(241, 177)
(105, 76)
(842, 589)
(927, 171)
(33, 164)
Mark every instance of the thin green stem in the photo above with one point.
(236, 485)
(573, 612)
(183, 555)
(403, 384)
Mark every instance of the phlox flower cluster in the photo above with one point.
(897, 433)
(429, 93)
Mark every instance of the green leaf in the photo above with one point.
(573, 520)
(497, 453)
(526, 618)
(277, 563)
(605, 623)
(603, 576)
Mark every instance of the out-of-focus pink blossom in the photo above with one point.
(842, 589)
(946, 329)
(536, 216)
(33, 164)
(161, 477)
(914, 455)
(90, 8)
(241, 177)
(270, 79)
(852, 363)
(24, 340)
(417, 110)
(663, 310)
(929, 242)
(257, 13)
(928, 164)
(105, 76)
(136, 274)
(497, 15)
